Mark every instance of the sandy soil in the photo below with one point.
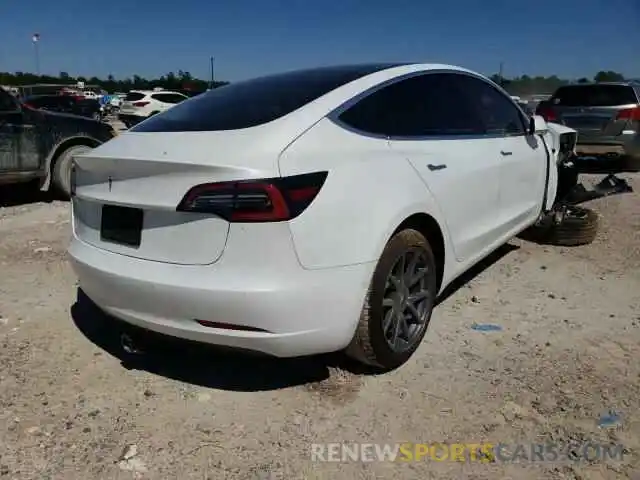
(73, 406)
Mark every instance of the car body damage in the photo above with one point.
(30, 139)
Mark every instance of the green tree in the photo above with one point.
(608, 76)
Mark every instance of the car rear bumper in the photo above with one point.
(285, 311)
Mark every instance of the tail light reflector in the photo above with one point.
(629, 114)
(140, 104)
(264, 200)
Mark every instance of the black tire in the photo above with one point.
(369, 344)
(578, 226)
(61, 172)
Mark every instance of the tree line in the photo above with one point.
(526, 85)
(184, 81)
(181, 81)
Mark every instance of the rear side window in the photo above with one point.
(594, 96)
(254, 102)
(134, 96)
(426, 105)
(168, 97)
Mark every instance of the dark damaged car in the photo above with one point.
(38, 146)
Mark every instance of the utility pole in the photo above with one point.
(211, 84)
(500, 74)
(36, 40)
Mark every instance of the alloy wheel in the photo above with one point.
(407, 301)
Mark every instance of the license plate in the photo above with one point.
(122, 225)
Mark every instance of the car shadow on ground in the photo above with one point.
(212, 367)
(18, 195)
(476, 270)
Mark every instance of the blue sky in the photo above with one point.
(253, 37)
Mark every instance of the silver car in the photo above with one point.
(606, 116)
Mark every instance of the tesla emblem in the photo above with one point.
(110, 182)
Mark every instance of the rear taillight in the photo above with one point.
(629, 114)
(140, 104)
(547, 113)
(264, 200)
(29, 106)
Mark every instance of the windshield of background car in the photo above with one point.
(594, 96)
(254, 102)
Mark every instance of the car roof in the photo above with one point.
(379, 74)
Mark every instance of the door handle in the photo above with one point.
(505, 154)
(433, 168)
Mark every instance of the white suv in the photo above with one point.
(141, 104)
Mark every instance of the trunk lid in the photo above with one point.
(151, 172)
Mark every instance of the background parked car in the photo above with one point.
(67, 104)
(38, 146)
(606, 116)
(141, 104)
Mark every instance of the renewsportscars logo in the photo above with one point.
(467, 452)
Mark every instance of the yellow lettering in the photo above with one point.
(422, 450)
(457, 452)
(488, 456)
(406, 453)
(473, 451)
(434, 452)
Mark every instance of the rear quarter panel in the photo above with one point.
(368, 193)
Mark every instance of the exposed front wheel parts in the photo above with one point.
(566, 226)
(398, 305)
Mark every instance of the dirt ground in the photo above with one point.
(563, 354)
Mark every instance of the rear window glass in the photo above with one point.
(594, 96)
(134, 96)
(168, 97)
(254, 102)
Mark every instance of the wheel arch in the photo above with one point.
(57, 150)
(428, 226)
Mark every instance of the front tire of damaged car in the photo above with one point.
(61, 172)
(398, 305)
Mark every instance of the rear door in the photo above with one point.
(9, 131)
(593, 110)
(429, 122)
(19, 139)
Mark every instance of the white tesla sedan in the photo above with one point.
(310, 211)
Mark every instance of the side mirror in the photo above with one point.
(537, 125)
